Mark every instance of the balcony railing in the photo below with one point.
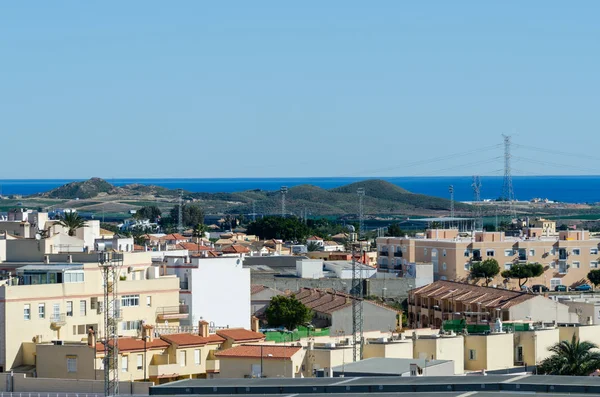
(183, 285)
(384, 252)
(58, 320)
(154, 371)
(398, 254)
(172, 312)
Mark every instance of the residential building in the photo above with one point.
(192, 354)
(379, 366)
(260, 297)
(387, 347)
(332, 246)
(489, 352)
(238, 336)
(333, 309)
(215, 289)
(586, 308)
(531, 346)
(440, 347)
(61, 301)
(261, 360)
(590, 333)
(566, 257)
(437, 302)
(315, 240)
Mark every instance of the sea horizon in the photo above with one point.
(562, 188)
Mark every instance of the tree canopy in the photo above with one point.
(394, 230)
(192, 214)
(594, 277)
(151, 212)
(572, 358)
(524, 271)
(288, 312)
(72, 221)
(488, 269)
(290, 228)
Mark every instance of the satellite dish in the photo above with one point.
(38, 236)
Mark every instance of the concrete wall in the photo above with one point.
(492, 352)
(22, 384)
(442, 348)
(260, 301)
(234, 367)
(535, 344)
(584, 310)
(541, 309)
(2, 250)
(325, 358)
(402, 349)
(588, 333)
(441, 369)
(375, 318)
(52, 361)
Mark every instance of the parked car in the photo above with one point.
(561, 288)
(538, 288)
(583, 287)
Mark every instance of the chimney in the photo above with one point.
(91, 341)
(203, 328)
(254, 324)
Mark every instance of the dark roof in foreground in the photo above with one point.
(421, 394)
(347, 386)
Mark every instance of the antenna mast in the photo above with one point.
(361, 213)
(253, 210)
(110, 263)
(508, 193)
(283, 191)
(476, 185)
(180, 213)
(451, 190)
(357, 304)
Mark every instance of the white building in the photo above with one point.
(216, 290)
(343, 269)
(309, 268)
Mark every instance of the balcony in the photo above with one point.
(213, 366)
(162, 370)
(384, 252)
(172, 312)
(58, 320)
(398, 254)
(184, 285)
(563, 267)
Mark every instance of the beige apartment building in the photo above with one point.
(567, 257)
(44, 302)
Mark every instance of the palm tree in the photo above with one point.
(198, 231)
(574, 358)
(72, 221)
(312, 246)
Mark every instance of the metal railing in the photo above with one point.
(171, 310)
(58, 318)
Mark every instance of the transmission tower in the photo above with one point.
(451, 190)
(357, 304)
(476, 185)
(180, 213)
(111, 263)
(508, 193)
(283, 192)
(361, 213)
(253, 210)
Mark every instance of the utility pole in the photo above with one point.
(283, 191)
(111, 263)
(451, 190)
(476, 185)
(361, 213)
(253, 211)
(180, 213)
(508, 194)
(357, 304)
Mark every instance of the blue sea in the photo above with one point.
(570, 189)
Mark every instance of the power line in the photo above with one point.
(451, 190)
(557, 152)
(508, 193)
(552, 164)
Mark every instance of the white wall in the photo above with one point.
(309, 268)
(542, 309)
(220, 292)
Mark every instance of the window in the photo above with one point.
(472, 354)
(130, 325)
(27, 311)
(489, 252)
(71, 363)
(594, 264)
(56, 310)
(443, 278)
(148, 301)
(425, 251)
(140, 362)
(593, 251)
(531, 252)
(554, 282)
(467, 253)
(507, 265)
(444, 266)
(74, 277)
(41, 310)
(93, 303)
(82, 307)
(197, 356)
(70, 308)
(576, 251)
(124, 363)
(130, 300)
(182, 357)
(444, 253)
(509, 252)
(576, 265)
(467, 266)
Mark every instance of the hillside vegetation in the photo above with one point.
(381, 198)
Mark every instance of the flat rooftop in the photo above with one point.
(387, 366)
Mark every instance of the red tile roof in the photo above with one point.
(329, 301)
(135, 344)
(314, 238)
(254, 351)
(235, 249)
(173, 236)
(240, 334)
(255, 289)
(194, 247)
(192, 339)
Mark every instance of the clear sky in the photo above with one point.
(306, 88)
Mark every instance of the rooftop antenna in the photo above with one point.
(476, 185)
(111, 263)
(451, 190)
(357, 303)
(180, 213)
(508, 194)
(361, 213)
(283, 191)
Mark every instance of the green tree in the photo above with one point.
(199, 231)
(290, 228)
(151, 212)
(594, 277)
(313, 247)
(488, 269)
(489, 227)
(574, 358)
(287, 311)
(524, 271)
(394, 230)
(72, 221)
(191, 214)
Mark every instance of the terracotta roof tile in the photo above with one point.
(254, 351)
(329, 301)
(134, 344)
(240, 334)
(173, 236)
(194, 247)
(235, 249)
(192, 339)
(255, 289)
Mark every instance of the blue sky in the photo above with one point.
(311, 88)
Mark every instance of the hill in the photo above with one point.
(381, 198)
